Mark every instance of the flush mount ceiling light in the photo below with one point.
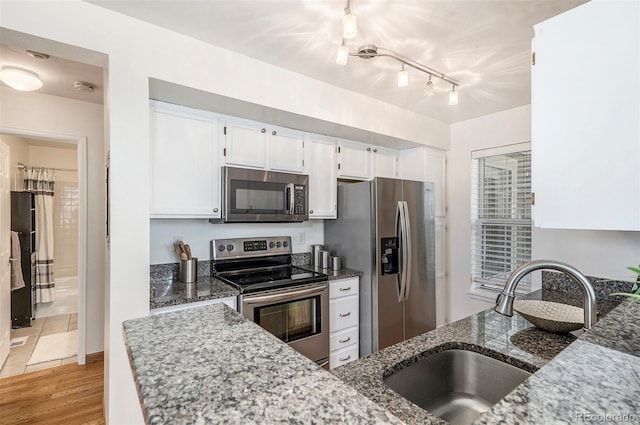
(349, 23)
(20, 79)
(83, 86)
(369, 51)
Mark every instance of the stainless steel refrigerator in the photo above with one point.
(385, 228)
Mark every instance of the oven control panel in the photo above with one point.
(250, 247)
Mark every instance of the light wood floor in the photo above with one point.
(62, 395)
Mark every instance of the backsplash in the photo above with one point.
(603, 287)
(170, 271)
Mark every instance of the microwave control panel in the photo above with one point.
(299, 201)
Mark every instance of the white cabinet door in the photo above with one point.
(385, 162)
(436, 172)
(184, 162)
(354, 160)
(585, 107)
(412, 164)
(286, 150)
(245, 144)
(322, 179)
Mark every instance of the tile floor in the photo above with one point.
(16, 363)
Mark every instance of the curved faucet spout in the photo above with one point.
(504, 305)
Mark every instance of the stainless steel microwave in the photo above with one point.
(264, 196)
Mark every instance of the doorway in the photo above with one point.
(58, 328)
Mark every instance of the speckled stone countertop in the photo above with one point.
(173, 292)
(210, 365)
(333, 274)
(576, 376)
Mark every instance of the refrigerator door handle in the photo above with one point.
(407, 238)
(400, 234)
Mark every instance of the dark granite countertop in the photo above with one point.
(333, 274)
(211, 365)
(171, 292)
(577, 375)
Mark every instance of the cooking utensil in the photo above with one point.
(183, 256)
(188, 251)
(182, 247)
(176, 247)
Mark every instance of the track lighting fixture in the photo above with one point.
(429, 90)
(369, 51)
(403, 77)
(349, 23)
(453, 96)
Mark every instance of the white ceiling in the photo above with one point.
(57, 74)
(484, 44)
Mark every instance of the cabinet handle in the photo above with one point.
(346, 358)
(348, 288)
(273, 133)
(368, 149)
(264, 130)
(345, 315)
(342, 341)
(375, 150)
(310, 211)
(215, 210)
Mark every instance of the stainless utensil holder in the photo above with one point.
(315, 255)
(325, 261)
(336, 263)
(188, 270)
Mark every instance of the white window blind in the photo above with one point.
(500, 216)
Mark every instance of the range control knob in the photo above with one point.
(229, 247)
(272, 244)
(285, 244)
(278, 244)
(220, 248)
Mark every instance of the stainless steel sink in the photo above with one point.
(456, 385)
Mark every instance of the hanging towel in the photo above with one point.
(17, 280)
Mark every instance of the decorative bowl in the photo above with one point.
(550, 316)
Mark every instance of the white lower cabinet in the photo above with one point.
(344, 321)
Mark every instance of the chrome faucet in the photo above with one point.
(504, 304)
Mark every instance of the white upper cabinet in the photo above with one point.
(286, 150)
(185, 176)
(385, 162)
(245, 144)
(354, 160)
(585, 118)
(322, 177)
(429, 165)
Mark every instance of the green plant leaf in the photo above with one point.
(636, 270)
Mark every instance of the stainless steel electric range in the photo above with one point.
(288, 301)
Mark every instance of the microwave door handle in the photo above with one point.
(290, 198)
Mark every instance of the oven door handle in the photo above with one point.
(318, 289)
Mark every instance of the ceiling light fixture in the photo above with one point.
(429, 89)
(453, 96)
(403, 77)
(84, 86)
(342, 56)
(349, 23)
(369, 51)
(20, 79)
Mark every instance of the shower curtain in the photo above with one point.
(40, 182)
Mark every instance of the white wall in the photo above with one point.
(18, 152)
(595, 253)
(58, 115)
(199, 233)
(137, 51)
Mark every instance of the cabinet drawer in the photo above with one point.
(343, 287)
(344, 338)
(344, 356)
(343, 313)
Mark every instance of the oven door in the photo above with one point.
(298, 316)
(264, 196)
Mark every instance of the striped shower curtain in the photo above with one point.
(40, 182)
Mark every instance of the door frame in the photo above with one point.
(81, 143)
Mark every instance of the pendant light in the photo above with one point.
(342, 55)
(349, 23)
(403, 77)
(20, 79)
(453, 96)
(429, 90)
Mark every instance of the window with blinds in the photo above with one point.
(500, 215)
